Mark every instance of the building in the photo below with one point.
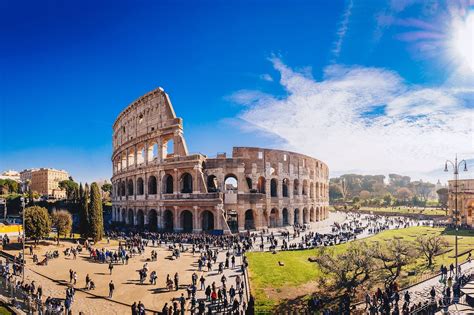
(45, 181)
(10, 174)
(465, 200)
(157, 184)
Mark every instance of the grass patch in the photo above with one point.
(266, 276)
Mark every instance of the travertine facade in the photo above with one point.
(157, 184)
(465, 200)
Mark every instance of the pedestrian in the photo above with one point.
(111, 267)
(111, 289)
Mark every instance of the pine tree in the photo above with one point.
(84, 225)
(96, 219)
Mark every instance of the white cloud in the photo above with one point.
(363, 118)
(266, 77)
(343, 27)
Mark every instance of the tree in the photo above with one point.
(107, 188)
(443, 194)
(96, 219)
(403, 195)
(346, 271)
(387, 199)
(69, 186)
(430, 246)
(84, 211)
(37, 223)
(9, 186)
(62, 221)
(364, 195)
(392, 257)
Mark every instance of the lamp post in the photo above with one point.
(456, 165)
(24, 236)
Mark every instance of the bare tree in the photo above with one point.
(430, 246)
(392, 256)
(346, 271)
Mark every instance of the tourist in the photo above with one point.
(111, 289)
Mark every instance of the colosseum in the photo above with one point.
(159, 185)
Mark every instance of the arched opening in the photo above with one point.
(124, 216)
(152, 151)
(305, 187)
(311, 215)
(140, 219)
(285, 216)
(168, 184)
(130, 220)
(186, 183)
(152, 220)
(261, 184)
(285, 185)
(122, 189)
(273, 222)
(130, 187)
(296, 217)
(140, 186)
(249, 223)
(187, 221)
(140, 154)
(249, 183)
(311, 190)
(305, 215)
(131, 157)
(318, 214)
(168, 148)
(230, 183)
(296, 187)
(152, 185)
(232, 220)
(207, 220)
(212, 183)
(168, 221)
(273, 188)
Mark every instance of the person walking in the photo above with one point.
(111, 267)
(111, 289)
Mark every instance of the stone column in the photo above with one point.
(175, 182)
(196, 222)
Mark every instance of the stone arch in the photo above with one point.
(186, 183)
(130, 217)
(168, 220)
(305, 187)
(152, 220)
(207, 220)
(122, 188)
(130, 187)
(285, 216)
(296, 187)
(274, 188)
(140, 186)
(305, 215)
(124, 216)
(318, 214)
(186, 219)
(296, 216)
(285, 187)
(168, 184)
(311, 190)
(249, 183)
(140, 219)
(212, 185)
(152, 187)
(273, 218)
(311, 215)
(249, 223)
(231, 183)
(261, 185)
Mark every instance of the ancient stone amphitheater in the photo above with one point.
(158, 185)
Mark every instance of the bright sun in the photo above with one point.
(463, 41)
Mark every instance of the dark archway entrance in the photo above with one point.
(207, 221)
(285, 216)
(232, 221)
(130, 217)
(168, 221)
(152, 220)
(273, 218)
(187, 221)
(140, 219)
(249, 221)
(124, 216)
(297, 217)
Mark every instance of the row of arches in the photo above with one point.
(129, 188)
(150, 220)
(310, 189)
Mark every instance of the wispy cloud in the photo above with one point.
(266, 77)
(364, 118)
(342, 30)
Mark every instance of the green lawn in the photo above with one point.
(265, 272)
(406, 210)
(4, 311)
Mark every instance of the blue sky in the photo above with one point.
(300, 75)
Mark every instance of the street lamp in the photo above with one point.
(456, 165)
(24, 236)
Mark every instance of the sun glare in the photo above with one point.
(463, 41)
